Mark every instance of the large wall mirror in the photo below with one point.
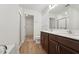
(62, 23)
(59, 22)
(52, 23)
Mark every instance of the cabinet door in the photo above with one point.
(44, 41)
(69, 42)
(53, 47)
(66, 50)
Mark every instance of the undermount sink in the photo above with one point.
(60, 31)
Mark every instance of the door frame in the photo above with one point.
(33, 25)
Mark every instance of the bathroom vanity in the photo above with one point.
(54, 43)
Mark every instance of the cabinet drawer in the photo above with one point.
(52, 37)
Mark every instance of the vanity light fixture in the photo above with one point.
(52, 6)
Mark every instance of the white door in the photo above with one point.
(29, 25)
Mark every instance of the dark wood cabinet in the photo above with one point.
(70, 43)
(53, 47)
(66, 50)
(44, 41)
(55, 44)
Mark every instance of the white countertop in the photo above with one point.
(65, 34)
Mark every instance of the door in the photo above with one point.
(66, 50)
(20, 39)
(44, 41)
(29, 26)
(53, 47)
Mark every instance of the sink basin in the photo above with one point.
(60, 31)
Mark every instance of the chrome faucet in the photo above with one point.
(69, 31)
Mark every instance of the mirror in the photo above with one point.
(60, 21)
(51, 23)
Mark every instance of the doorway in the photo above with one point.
(29, 26)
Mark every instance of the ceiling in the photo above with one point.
(42, 7)
(37, 7)
(58, 9)
(62, 7)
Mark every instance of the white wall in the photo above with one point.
(21, 10)
(9, 24)
(45, 20)
(73, 20)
